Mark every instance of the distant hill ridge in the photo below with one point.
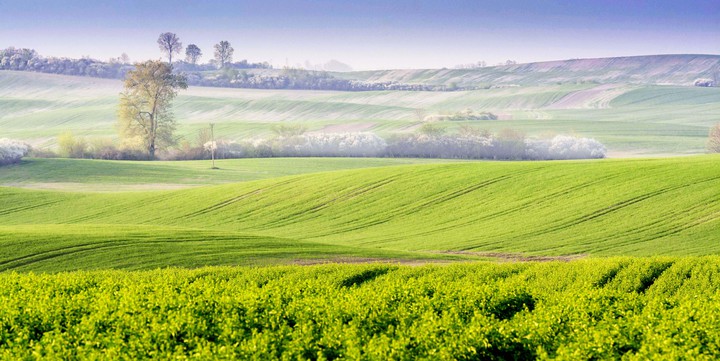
(681, 69)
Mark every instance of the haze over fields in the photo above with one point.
(371, 34)
(639, 105)
(360, 180)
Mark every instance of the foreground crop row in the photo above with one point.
(633, 308)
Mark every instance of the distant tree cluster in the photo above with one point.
(467, 114)
(219, 72)
(294, 78)
(30, 60)
(12, 151)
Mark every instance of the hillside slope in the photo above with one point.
(652, 69)
(626, 118)
(628, 207)
(86, 175)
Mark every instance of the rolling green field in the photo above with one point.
(426, 259)
(84, 175)
(619, 308)
(628, 118)
(409, 212)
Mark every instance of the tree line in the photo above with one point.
(219, 71)
(228, 74)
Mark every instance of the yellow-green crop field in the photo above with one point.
(617, 308)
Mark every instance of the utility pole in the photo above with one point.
(214, 145)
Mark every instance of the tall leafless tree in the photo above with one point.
(223, 53)
(169, 44)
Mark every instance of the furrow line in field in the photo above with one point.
(617, 207)
(27, 207)
(59, 252)
(236, 199)
(312, 212)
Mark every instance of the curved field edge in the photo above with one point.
(598, 208)
(629, 308)
(95, 175)
(57, 248)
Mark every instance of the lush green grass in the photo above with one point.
(640, 119)
(84, 247)
(100, 175)
(613, 207)
(630, 309)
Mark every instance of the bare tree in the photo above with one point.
(223, 53)
(192, 54)
(169, 44)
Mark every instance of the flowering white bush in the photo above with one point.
(411, 145)
(564, 147)
(225, 149)
(312, 145)
(425, 146)
(11, 151)
(340, 145)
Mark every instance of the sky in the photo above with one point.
(367, 34)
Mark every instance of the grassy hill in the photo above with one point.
(680, 69)
(86, 175)
(411, 212)
(626, 117)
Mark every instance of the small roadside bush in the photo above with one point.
(70, 146)
(703, 82)
(713, 145)
(12, 151)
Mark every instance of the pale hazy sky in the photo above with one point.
(368, 34)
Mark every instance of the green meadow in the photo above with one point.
(84, 175)
(445, 211)
(371, 258)
(628, 118)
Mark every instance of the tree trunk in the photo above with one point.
(151, 151)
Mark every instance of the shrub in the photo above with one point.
(431, 130)
(289, 130)
(70, 146)
(704, 83)
(714, 139)
(11, 151)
